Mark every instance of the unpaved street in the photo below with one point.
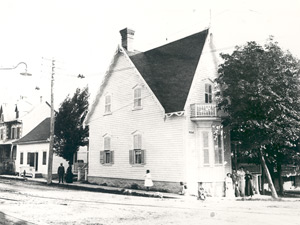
(32, 203)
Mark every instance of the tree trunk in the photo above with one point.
(280, 181)
(269, 178)
(263, 180)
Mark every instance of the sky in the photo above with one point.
(82, 36)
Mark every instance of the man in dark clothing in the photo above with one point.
(61, 173)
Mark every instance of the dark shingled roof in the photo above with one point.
(169, 70)
(40, 133)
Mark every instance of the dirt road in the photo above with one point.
(29, 203)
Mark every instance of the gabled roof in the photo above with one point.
(169, 70)
(40, 133)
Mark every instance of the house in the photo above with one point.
(156, 110)
(33, 152)
(16, 120)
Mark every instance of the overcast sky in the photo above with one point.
(83, 35)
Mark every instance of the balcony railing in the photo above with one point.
(203, 110)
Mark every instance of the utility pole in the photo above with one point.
(50, 158)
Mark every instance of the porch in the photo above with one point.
(204, 112)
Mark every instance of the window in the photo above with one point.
(44, 158)
(21, 158)
(218, 149)
(30, 159)
(137, 98)
(137, 155)
(208, 93)
(1, 133)
(18, 135)
(107, 104)
(205, 148)
(13, 133)
(107, 156)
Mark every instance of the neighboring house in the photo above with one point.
(33, 152)
(16, 120)
(156, 110)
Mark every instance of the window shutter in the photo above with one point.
(131, 157)
(102, 157)
(112, 157)
(143, 153)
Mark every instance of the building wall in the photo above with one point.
(39, 148)
(161, 137)
(213, 176)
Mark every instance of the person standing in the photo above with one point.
(241, 181)
(229, 186)
(61, 173)
(69, 174)
(148, 180)
(248, 186)
(235, 183)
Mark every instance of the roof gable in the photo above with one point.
(169, 70)
(38, 134)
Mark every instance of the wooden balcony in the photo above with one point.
(204, 112)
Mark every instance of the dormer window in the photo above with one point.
(107, 104)
(137, 98)
(15, 132)
(208, 93)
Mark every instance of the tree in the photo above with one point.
(259, 91)
(69, 132)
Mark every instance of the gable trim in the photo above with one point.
(100, 90)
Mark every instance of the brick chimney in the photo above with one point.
(127, 39)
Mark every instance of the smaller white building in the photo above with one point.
(33, 152)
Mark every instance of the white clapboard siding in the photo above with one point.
(38, 148)
(162, 139)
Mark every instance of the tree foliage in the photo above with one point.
(260, 92)
(69, 132)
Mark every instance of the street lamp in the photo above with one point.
(14, 67)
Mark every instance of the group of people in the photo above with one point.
(239, 183)
(68, 176)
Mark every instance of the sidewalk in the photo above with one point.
(143, 193)
(96, 188)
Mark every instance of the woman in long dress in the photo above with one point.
(148, 180)
(248, 186)
(229, 191)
